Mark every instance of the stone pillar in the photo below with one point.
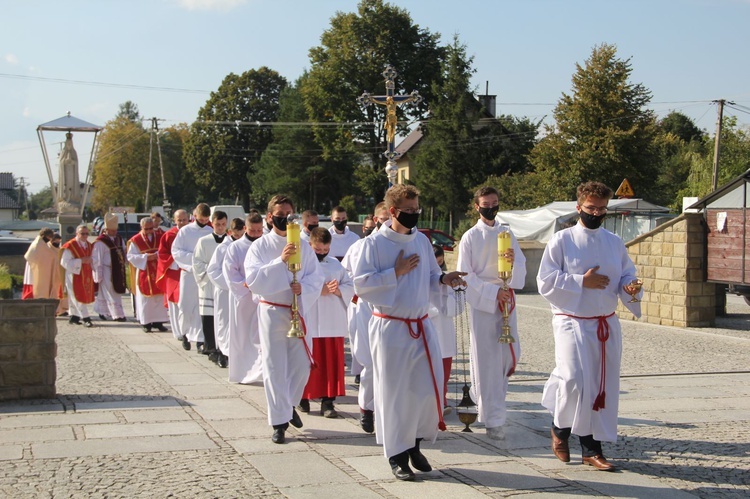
(27, 349)
(68, 223)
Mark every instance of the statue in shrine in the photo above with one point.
(68, 184)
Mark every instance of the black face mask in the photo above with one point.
(378, 225)
(279, 223)
(251, 238)
(368, 231)
(321, 257)
(592, 221)
(45, 239)
(408, 220)
(269, 225)
(311, 227)
(340, 225)
(56, 245)
(488, 213)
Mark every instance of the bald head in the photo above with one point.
(181, 218)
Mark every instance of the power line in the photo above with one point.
(102, 84)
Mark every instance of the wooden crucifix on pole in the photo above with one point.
(391, 101)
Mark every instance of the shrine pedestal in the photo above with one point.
(68, 223)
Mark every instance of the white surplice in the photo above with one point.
(101, 256)
(573, 386)
(215, 272)
(408, 382)
(245, 364)
(286, 362)
(359, 315)
(340, 243)
(491, 361)
(149, 309)
(183, 248)
(204, 250)
(327, 318)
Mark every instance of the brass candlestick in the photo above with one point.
(295, 331)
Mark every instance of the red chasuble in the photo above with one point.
(83, 282)
(147, 280)
(168, 279)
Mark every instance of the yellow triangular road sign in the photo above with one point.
(625, 190)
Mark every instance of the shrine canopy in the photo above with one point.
(69, 123)
(539, 224)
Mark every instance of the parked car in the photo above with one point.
(440, 238)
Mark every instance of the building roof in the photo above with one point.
(7, 202)
(6, 182)
(730, 191)
(409, 142)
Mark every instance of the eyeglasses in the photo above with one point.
(416, 211)
(600, 210)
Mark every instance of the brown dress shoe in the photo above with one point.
(599, 462)
(560, 448)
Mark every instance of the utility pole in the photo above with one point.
(717, 143)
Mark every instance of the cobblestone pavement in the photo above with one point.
(138, 416)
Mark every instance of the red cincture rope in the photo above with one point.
(313, 365)
(602, 334)
(512, 350)
(420, 332)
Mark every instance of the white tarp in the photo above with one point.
(539, 224)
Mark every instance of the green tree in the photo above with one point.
(225, 144)
(119, 177)
(602, 131)
(129, 111)
(180, 184)
(680, 143)
(734, 160)
(352, 55)
(39, 201)
(292, 163)
(447, 164)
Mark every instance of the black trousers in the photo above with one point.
(209, 343)
(590, 447)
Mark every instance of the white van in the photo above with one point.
(233, 211)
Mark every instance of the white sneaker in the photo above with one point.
(447, 410)
(496, 433)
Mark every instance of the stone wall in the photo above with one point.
(670, 260)
(27, 349)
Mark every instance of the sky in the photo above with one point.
(87, 57)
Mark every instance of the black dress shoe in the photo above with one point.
(327, 410)
(199, 347)
(296, 421)
(278, 433)
(87, 322)
(74, 319)
(185, 343)
(103, 317)
(278, 436)
(160, 327)
(367, 421)
(356, 380)
(400, 467)
(417, 458)
(304, 405)
(120, 319)
(146, 328)
(214, 356)
(223, 361)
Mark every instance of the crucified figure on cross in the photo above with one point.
(391, 103)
